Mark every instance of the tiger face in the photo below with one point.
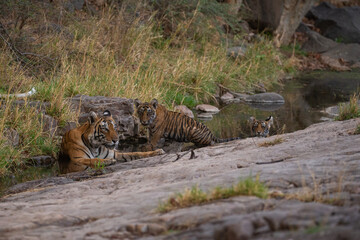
(260, 128)
(102, 131)
(146, 111)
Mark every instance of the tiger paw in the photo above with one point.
(108, 162)
(159, 151)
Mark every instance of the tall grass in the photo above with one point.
(349, 110)
(27, 122)
(126, 50)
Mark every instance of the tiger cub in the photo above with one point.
(92, 143)
(260, 128)
(173, 125)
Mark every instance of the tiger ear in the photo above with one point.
(154, 103)
(270, 119)
(252, 119)
(107, 113)
(93, 117)
(137, 102)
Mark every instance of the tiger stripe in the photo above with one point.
(173, 125)
(88, 144)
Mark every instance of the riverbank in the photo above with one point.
(312, 177)
(121, 50)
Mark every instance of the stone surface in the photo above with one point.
(12, 137)
(346, 52)
(323, 159)
(342, 24)
(333, 63)
(185, 110)
(236, 52)
(207, 108)
(316, 43)
(49, 124)
(122, 110)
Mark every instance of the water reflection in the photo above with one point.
(305, 100)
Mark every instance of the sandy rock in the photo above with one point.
(122, 203)
(207, 108)
(185, 110)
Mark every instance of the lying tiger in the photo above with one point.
(173, 125)
(260, 128)
(92, 143)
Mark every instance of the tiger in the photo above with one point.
(91, 145)
(260, 128)
(173, 125)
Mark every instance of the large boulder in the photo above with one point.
(316, 43)
(122, 110)
(341, 24)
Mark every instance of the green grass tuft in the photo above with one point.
(196, 196)
(349, 110)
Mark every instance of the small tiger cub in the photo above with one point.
(163, 123)
(260, 128)
(92, 143)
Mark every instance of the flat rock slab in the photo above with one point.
(207, 108)
(323, 159)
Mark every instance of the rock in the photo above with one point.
(270, 97)
(81, 205)
(316, 43)
(334, 64)
(49, 124)
(236, 52)
(260, 88)
(227, 97)
(207, 108)
(121, 109)
(242, 231)
(61, 130)
(346, 52)
(205, 116)
(185, 110)
(41, 183)
(12, 137)
(338, 24)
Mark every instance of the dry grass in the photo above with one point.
(196, 196)
(349, 110)
(118, 53)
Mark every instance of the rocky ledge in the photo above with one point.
(322, 161)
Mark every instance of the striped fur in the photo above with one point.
(93, 143)
(260, 128)
(173, 125)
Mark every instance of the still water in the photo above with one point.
(306, 98)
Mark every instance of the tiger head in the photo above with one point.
(146, 111)
(102, 130)
(260, 128)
